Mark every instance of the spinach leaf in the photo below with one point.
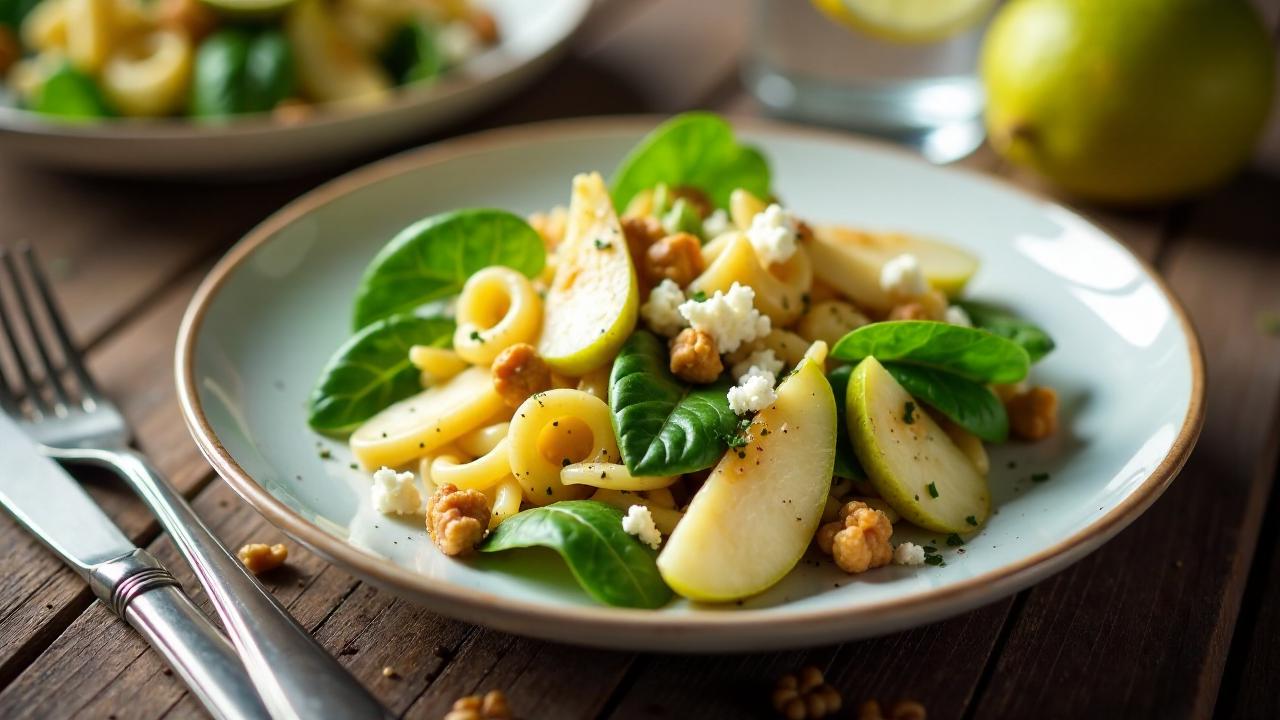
(973, 354)
(432, 258)
(612, 566)
(995, 319)
(664, 426)
(694, 149)
(968, 404)
(847, 465)
(372, 370)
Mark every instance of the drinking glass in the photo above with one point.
(806, 66)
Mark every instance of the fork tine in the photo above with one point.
(38, 404)
(71, 356)
(50, 370)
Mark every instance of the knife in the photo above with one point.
(46, 501)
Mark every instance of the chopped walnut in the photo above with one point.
(677, 257)
(483, 25)
(493, 706)
(261, 558)
(10, 49)
(859, 539)
(929, 306)
(641, 232)
(806, 698)
(700, 201)
(908, 311)
(192, 18)
(457, 519)
(519, 372)
(694, 357)
(292, 111)
(1033, 414)
(901, 710)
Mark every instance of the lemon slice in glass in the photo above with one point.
(913, 21)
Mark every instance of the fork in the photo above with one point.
(295, 677)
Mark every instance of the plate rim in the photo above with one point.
(751, 627)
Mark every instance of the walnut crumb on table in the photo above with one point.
(901, 710)
(260, 557)
(492, 706)
(807, 697)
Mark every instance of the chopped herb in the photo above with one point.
(565, 462)
(909, 415)
(603, 244)
(475, 335)
(325, 454)
(698, 296)
(930, 550)
(972, 520)
(548, 490)
(933, 489)
(1039, 477)
(805, 301)
(954, 540)
(934, 560)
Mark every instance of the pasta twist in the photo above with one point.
(612, 476)
(780, 288)
(555, 429)
(504, 500)
(498, 307)
(482, 440)
(479, 474)
(664, 518)
(829, 321)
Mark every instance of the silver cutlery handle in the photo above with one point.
(138, 589)
(296, 678)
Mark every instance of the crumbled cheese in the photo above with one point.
(956, 315)
(908, 554)
(773, 234)
(753, 393)
(662, 310)
(762, 360)
(902, 277)
(457, 42)
(729, 318)
(395, 494)
(717, 223)
(639, 522)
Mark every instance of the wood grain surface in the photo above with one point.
(1178, 617)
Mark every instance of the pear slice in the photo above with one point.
(418, 425)
(913, 465)
(330, 67)
(850, 261)
(752, 519)
(592, 304)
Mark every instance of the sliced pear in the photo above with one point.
(752, 519)
(330, 67)
(913, 465)
(780, 288)
(591, 307)
(850, 261)
(423, 423)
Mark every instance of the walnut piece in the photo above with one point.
(261, 558)
(699, 200)
(493, 706)
(519, 372)
(930, 306)
(859, 539)
(457, 519)
(10, 49)
(901, 710)
(694, 357)
(1033, 414)
(677, 257)
(483, 25)
(807, 697)
(192, 18)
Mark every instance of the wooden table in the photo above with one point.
(1177, 617)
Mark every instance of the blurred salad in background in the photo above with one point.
(215, 59)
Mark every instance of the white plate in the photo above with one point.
(531, 34)
(1127, 367)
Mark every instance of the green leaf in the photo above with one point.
(973, 354)
(413, 53)
(847, 465)
(372, 370)
(612, 566)
(995, 319)
(432, 258)
(218, 85)
(695, 149)
(269, 71)
(968, 404)
(664, 426)
(70, 94)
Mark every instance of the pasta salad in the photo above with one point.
(677, 383)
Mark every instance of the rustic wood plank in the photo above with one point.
(1088, 638)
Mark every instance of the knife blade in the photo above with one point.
(52, 506)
